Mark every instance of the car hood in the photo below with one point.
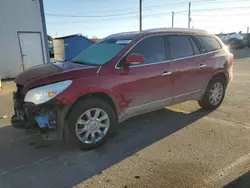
(54, 72)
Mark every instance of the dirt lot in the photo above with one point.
(180, 146)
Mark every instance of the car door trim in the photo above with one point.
(155, 105)
(145, 108)
(193, 95)
(167, 61)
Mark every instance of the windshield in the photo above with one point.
(98, 54)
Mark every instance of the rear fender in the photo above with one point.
(217, 72)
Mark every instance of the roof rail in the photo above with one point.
(174, 29)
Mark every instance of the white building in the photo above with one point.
(23, 36)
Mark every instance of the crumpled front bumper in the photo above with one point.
(49, 117)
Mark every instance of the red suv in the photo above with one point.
(123, 75)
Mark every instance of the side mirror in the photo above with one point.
(134, 59)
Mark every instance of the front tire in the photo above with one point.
(214, 94)
(90, 123)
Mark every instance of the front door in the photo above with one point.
(147, 86)
(31, 49)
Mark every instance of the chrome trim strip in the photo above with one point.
(164, 99)
(139, 106)
(99, 69)
(166, 73)
(196, 91)
(140, 109)
(167, 61)
(203, 65)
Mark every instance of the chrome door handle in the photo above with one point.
(166, 73)
(202, 65)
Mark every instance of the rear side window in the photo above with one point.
(152, 49)
(209, 43)
(179, 46)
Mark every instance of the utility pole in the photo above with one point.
(140, 15)
(189, 14)
(247, 29)
(172, 19)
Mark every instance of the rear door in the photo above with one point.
(207, 62)
(184, 55)
(31, 49)
(147, 86)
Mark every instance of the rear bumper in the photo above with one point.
(48, 118)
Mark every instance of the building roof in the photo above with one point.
(78, 35)
(68, 36)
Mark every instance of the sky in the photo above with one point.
(101, 18)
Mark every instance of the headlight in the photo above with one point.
(45, 93)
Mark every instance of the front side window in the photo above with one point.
(209, 43)
(179, 46)
(151, 48)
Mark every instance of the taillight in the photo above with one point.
(232, 55)
(232, 58)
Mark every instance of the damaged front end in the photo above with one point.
(47, 118)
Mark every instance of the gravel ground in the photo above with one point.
(179, 146)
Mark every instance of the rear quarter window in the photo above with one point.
(209, 44)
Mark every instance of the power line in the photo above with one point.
(232, 1)
(215, 9)
(219, 26)
(87, 16)
(123, 14)
(113, 18)
(178, 4)
(155, 6)
(209, 15)
(127, 13)
(222, 15)
(116, 16)
(201, 1)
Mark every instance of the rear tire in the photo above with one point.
(214, 94)
(82, 118)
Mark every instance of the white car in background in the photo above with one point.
(233, 40)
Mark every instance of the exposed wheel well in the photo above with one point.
(99, 95)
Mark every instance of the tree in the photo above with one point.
(95, 39)
(50, 39)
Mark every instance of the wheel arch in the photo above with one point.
(222, 75)
(100, 95)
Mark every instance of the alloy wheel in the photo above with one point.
(92, 126)
(216, 93)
